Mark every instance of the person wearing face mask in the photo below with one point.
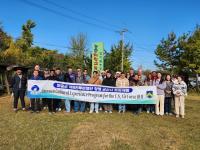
(18, 85)
(180, 91)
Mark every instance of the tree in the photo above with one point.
(191, 57)
(79, 56)
(26, 40)
(113, 59)
(168, 54)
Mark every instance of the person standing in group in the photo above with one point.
(37, 68)
(86, 77)
(35, 102)
(180, 91)
(142, 78)
(94, 80)
(137, 82)
(46, 77)
(117, 75)
(79, 105)
(108, 81)
(168, 95)
(18, 85)
(151, 82)
(52, 102)
(71, 78)
(59, 77)
(122, 82)
(131, 74)
(161, 85)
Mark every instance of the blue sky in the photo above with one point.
(148, 20)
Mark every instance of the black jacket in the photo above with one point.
(15, 82)
(108, 81)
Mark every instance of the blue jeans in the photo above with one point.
(79, 105)
(122, 107)
(67, 105)
(94, 106)
(151, 107)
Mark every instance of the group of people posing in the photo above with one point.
(171, 91)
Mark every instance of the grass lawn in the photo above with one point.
(26, 131)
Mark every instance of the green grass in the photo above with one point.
(24, 131)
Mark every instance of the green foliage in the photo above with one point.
(114, 58)
(191, 55)
(180, 55)
(168, 54)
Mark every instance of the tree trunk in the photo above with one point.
(197, 82)
(6, 83)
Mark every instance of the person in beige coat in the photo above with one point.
(122, 81)
(180, 91)
(94, 80)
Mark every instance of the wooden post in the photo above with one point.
(6, 83)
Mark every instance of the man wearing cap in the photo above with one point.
(18, 85)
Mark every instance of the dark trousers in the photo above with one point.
(44, 102)
(19, 94)
(52, 105)
(151, 107)
(57, 103)
(35, 104)
(139, 108)
(168, 101)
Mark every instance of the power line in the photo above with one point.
(65, 16)
(80, 14)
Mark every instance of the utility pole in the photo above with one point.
(121, 32)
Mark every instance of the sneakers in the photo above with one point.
(91, 112)
(177, 116)
(183, 116)
(110, 111)
(106, 111)
(148, 112)
(15, 109)
(167, 113)
(97, 112)
(23, 109)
